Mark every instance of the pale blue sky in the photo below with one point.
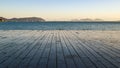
(61, 9)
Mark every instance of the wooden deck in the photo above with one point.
(55, 49)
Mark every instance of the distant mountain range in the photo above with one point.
(87, 20)
(26, 19)
(37, 19)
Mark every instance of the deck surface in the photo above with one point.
(57, 49)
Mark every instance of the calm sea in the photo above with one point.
(60, 26)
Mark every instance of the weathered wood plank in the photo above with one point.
(57, 49)
(60, 56)
(34, 47)
(9, 51)
(108, 63)
(69, 61)
(15, 52)
(83, 53)
(43, 63)
(35, 60)
(52, 56)
(74, 55)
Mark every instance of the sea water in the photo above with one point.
(59, 25)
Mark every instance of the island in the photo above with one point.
(2, 19)
(88, 20)
(25, 19)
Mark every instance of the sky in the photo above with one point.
(61, 9)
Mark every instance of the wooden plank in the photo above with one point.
(100, 57)
(44, 57)
(74, 55)
(83, 53)
(60, 56)
(9, 39)
(55, 49)
(10, 35)
(108, 63)
(21, 54)
(12, 43)
(113, 52)
(108, 55)
(24, 63)
(69, 61)
(10, 51)
(14, 54)
(35, 60)
(52, 56)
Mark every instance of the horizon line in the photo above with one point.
(72, 19)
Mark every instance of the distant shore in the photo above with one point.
(25, 19)
(38, 19)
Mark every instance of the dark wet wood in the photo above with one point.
(54, 49)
